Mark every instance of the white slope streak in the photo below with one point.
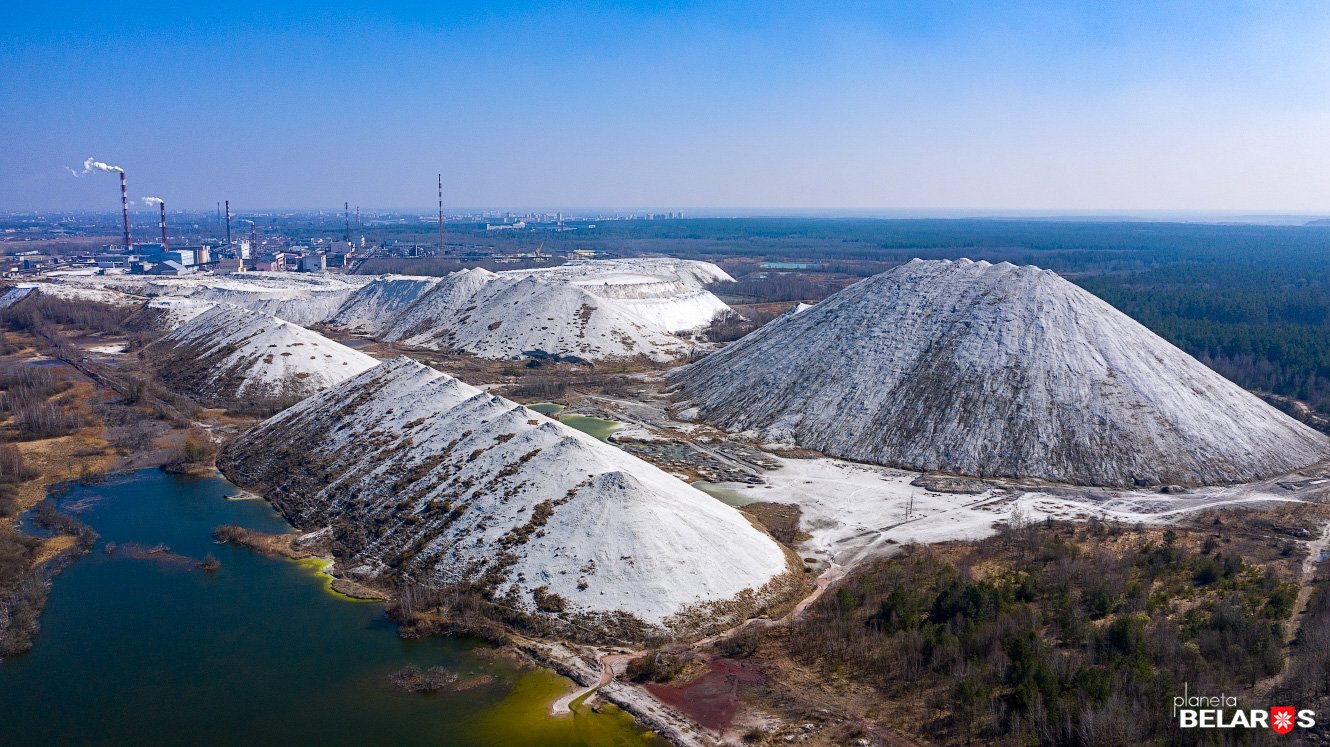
(14, 294)
(418, 471)
(371, 307)
(993, 370)
(599, 309)
(228, 352)
(169, 312)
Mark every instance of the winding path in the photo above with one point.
(611, 665)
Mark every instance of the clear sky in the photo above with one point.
(841, 105)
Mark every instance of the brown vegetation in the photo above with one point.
(196, 453)
(781, 520)
(413, 679)
(1048, 633)
(731, 327)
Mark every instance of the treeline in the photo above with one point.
(1053, 634)
(1265, 328)
(36, 402)
(1307, 682)
(41, 316)
(1067, 246)
(769, 287)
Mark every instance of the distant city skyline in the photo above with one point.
(906, 108)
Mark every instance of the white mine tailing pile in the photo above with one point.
(419, 472)
(590, 309)
(227, 353)
(597, 309)
(14, 294)
(992, 370)
(69, 292)
(296, 297)
(376, 303)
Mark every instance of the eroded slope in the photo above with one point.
(424, 477)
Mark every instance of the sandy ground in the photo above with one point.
(855, 512)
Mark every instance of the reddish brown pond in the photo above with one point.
(712, 699)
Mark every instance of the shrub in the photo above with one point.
(548, 601)
(656, 666)
(12, 468)
(46, 421)
(195, 451)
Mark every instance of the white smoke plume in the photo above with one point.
(153, 200)
(75, 173)
(93, 164)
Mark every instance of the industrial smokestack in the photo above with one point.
(124, 208)
(442, 245)
(228, 223)
(93, 165)
(90, 165)
(346, 221)
(161, 204)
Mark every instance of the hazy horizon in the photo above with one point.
(911, 107)
(141, 212)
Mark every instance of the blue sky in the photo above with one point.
(984, 106)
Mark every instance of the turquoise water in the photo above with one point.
(723, 494)
(595, 427)
(152, 651)
(547, 408)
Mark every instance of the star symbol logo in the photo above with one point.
(1281, 719)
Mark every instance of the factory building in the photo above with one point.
(313, 263)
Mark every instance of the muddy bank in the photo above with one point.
(582, 666)
(312, 547)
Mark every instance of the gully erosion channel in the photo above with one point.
(140, 645)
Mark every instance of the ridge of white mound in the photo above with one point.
(228, 353)
(69, 292)
(595, 309)
(302, 298)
